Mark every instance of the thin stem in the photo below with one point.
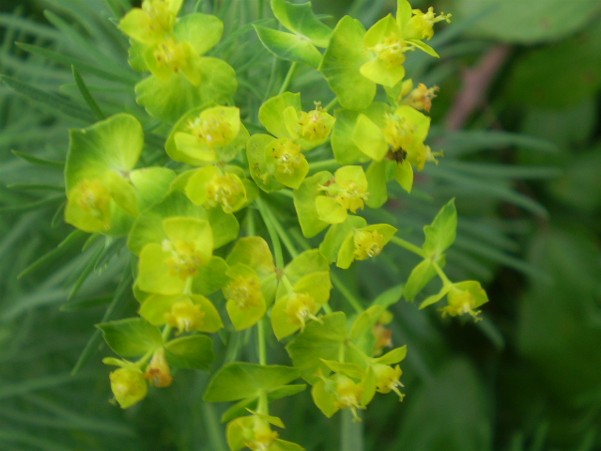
(282, 233)
(441, 274)
(261, 342)
(273, 235)
(166, 332)
(408, 246)
(346, 293)
(325, 164)
(288, 78)
(351, 432)
(250, 222)
(331, 105)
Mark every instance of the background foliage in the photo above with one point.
(517, 117)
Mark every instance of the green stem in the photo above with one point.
(408, 246)
(250, 222)
(261, 342)
(273, 235)
(288, 78)
(166, 332)
(277, 225)
(213, 427)
(331, 105)
(325, 164)
(346, 293)
(351, 432)
(441, 274)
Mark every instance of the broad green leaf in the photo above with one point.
(148, 228)
(300, 19)
(336, 235)
(151, 184)
(419, 277)
(304, 202)
(224, 226)
(241, 380)
(308, 296)
(391, 357)
(403, 174)
(172, 97)
(289, 47)
(157, 308)
(210, 277)
(323, 395)
(261, 163)
(192, 351)
(341, 64)
(441, 233)
(202, 31)
(253, 251)
(319, 340)
(271, 113)
(113, 144)
(365, 321)
(344, 148)
(205, 135)
(369, 138)
(154, 275)
(377, 181)
(308, 262)
(131, 337)
(390, 296)
(433, 299)
(122, 192)
(330, 211)
(390, 71)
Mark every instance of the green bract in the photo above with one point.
(204, 136)
(104, 192)
(307, 33)
(342, 62)
(219, 222)
(166, 267)
(172, 51)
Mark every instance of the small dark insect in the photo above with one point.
(397, 155)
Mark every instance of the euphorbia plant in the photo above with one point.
(238, 231)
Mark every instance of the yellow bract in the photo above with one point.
(128, 386)
(314, 125)
(288, 156)
(184, 259)
(368, 244)
(348, 394)
(349, 194)
(390, 50)
(226, 191)
(422, 23)
(387, 379)
(461, 302)
(300, 307)
(245, 292)
(185, 316)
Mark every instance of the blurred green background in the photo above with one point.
(518, 119)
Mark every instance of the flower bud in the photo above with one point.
(157, 371)
(128, 386)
